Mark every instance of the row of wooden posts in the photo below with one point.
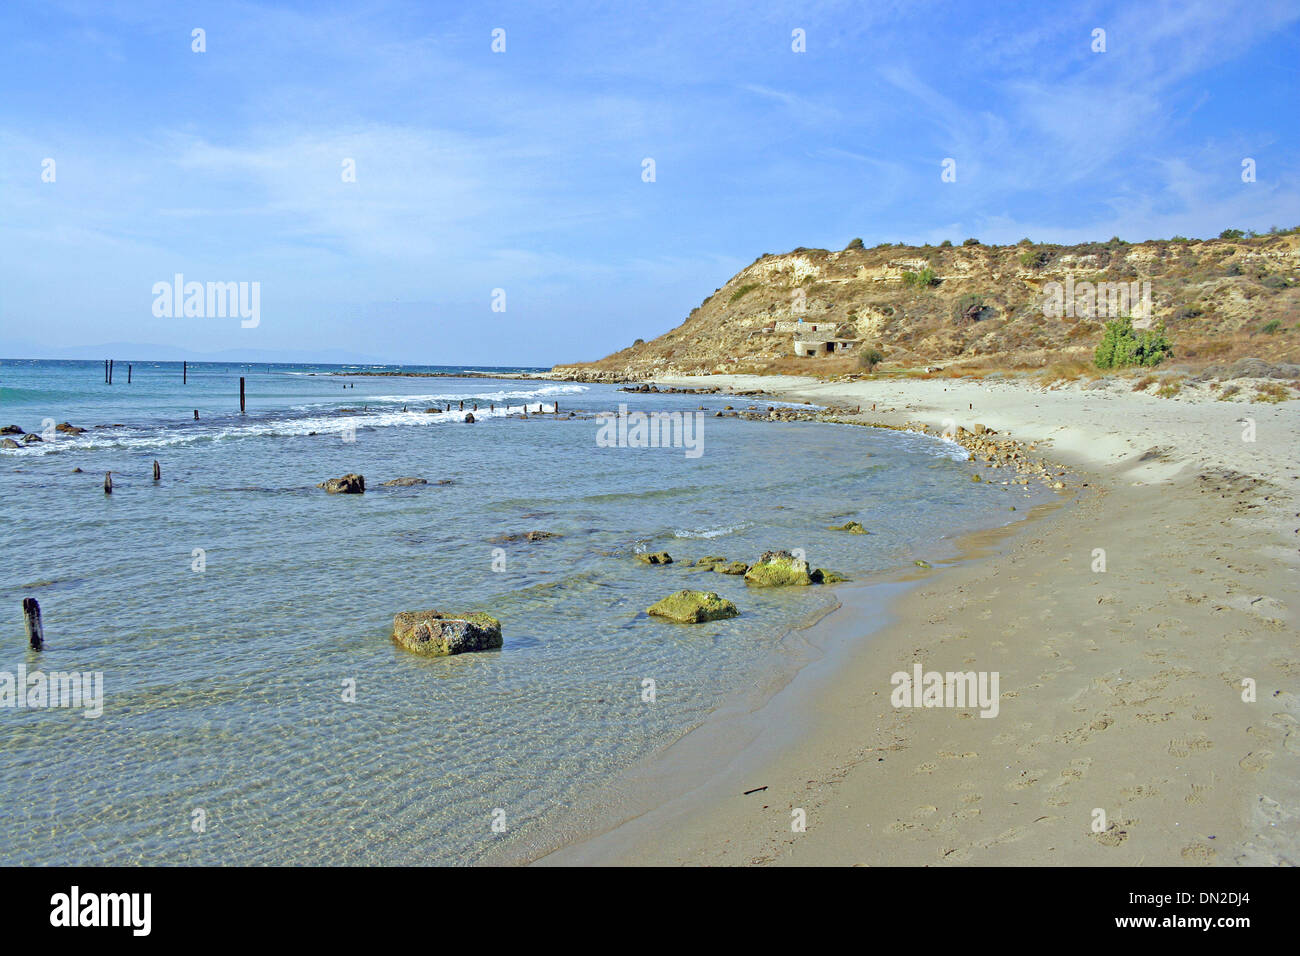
(32, 608)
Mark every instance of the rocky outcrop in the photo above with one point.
(403, 482)
(986, 307)
(658, 557)
(11, 430)
(436, 634)
(68, 429)
(731, 567)
(349, 484)
(779, 569)
(693, 607)
(9, 443)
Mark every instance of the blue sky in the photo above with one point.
(522, 170)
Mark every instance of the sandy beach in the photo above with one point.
(1121, 737)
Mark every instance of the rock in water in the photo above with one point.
(822, 576)
(403, 482)
(693, 607)
(11, 430)
(659, 557)
(731, 567)
(9, 443)
(778, 569)
(68, 429)
(436, 634)
(469, 418)
(349, 484)
(853, 527)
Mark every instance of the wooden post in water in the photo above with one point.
(557, 408)
(462, 405)
(110, 371)
(108, 482)
(32, 623)
(128, 373)
(185, 374)
(157, 470)
(105, 371)
(241, 394)
(196, 414)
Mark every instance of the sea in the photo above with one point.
(254, 708)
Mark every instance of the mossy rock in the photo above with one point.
(779, 569)
(852, 527)
(693, 607)
(659, 557)
(925, 565)
(710, 561)
(436, 634)
(731, 567)
(822, 576)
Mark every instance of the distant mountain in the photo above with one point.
(140, 352)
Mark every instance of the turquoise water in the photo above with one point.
(224, 688)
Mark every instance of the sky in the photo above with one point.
(517, 178)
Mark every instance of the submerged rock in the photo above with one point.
(710, 561)
(522, 536)
(403, 482)
(659, 557)
(469, 418)
(731, 567)
(852, 527)
(924, 565)
(349, 484)
(436, 634)
(11, 430)
(32, 439)
(778, 569)
(693, 607)
(9, 443)
(68, 429)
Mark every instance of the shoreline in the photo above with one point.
(1148, 727)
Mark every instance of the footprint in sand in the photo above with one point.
(1026, 779)
(1197, 794)
(1199, 854)
(925, 811)
(1255, 761)
(1115, 833)
(1186, 746)
(926, 768)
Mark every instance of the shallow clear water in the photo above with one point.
(224, 688)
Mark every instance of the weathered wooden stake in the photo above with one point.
(108, 482)
(557, 408)
(241, 394)
(32, 623)
(196, 414)
(157, 471)
(185, 374)
(110, 371)
(105, 371)
(128, 373)
(462, 405)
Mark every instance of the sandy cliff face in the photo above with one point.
(987, 305)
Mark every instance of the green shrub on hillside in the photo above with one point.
(870, 358)
(926, 277)
(1123, 346)
(744, 289)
